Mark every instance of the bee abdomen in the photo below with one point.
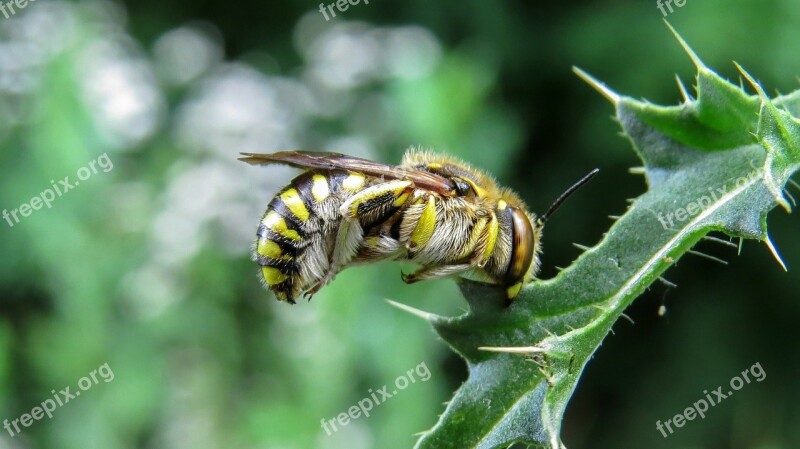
(291, 218)
(276, 254)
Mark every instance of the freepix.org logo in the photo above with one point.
(366, 404)
(341, 5)
(8, 6)
(59, 399)
(47, 196)
(698, 409)
(670, 219)
(660, 4)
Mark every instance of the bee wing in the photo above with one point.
(336, 161)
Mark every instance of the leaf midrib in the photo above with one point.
(617, 299)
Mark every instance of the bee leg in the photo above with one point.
(376, 203)
(377, 248)
(372, 205)
(313, 291)
(348, 239)
(486, 243)
(435, 272)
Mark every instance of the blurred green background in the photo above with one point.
(147, 266)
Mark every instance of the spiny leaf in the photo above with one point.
(715, 163)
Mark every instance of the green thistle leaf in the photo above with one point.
(719, 162)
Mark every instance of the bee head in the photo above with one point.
(526, 235)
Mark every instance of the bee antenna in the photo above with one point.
(560, 200)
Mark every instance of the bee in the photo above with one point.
(432, 209)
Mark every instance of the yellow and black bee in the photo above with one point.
(432, 209)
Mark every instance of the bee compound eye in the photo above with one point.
(522, 250)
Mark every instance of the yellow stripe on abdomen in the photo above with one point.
(268, 248)
(273, 276)
(277, 224)
(354, 181)
(319, 188)
(291, 199)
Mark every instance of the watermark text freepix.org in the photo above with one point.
(365, 405)
(47, 196)
(341, 5)
(668, 3)
(7, 6)
(694, 208)
(59, 399)
(700, 407)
